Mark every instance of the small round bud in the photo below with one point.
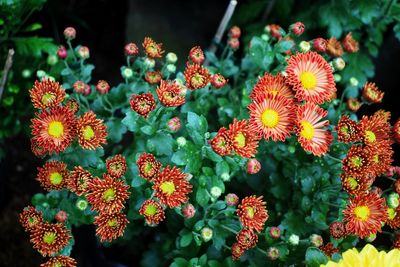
(131, 49)
(69, 33)
(218, 81)
(265, 37)
(61, 216)
(215, 191)
(337, 230)
(267, 28)
(206, 234)
(253, 166)
(231, 199)
(370, 238)
(87, 90)
(304, 46)
(294, 239)
(26, 73)
(275, 232)
(297, 28)
(79, 87)
(102, 87)
(337, 77)
(171, 58)
(171, 68)
(127, 73)
(393, 200)
(174, 124)
(83, 52)
(339, 63)
(225, 177)
(353, 81)
(353, 104)
(149, 63)
(81, 204)
(316, 240)
(62, 52)
(181, 141)
(320, 45)
(234, 43)
(40, 74)
(196, 55)
(273, 253)
(291, 149)
(235, 32)
(52, 60)
(188, 211)
(45, 205)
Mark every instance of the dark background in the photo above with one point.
(105, 27)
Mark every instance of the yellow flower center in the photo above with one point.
(197, 79)
(362, 213)
(345, 130)
(56, 178)
(307, 130)
(32, 221)
(391, 213)
(370, 136)
(274, 92)
(240, 140)
(109, 195)
(49, 237)
(375, 158)
(47, 98)
(250, 211)
(113, 223)
(148, 168)
(56, 129)
(88, 132)
(270, 118)
(356, 161)
(150, 210)
(167, 188)
(352, 182)
(57, 264)
(308, 80)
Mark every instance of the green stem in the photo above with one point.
(128, 61)
(391, 178)
(262, 251)
(228, 229)
(334, 158)
(72, 50)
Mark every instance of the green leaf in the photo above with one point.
(210, 154)
(214, 263)
(162, 143)
(34, 46)
(115, 130)
(179, 158)
(33, 27)
(283, 46)
(131, 121)
(179, 262)
(198, 123)
(202, 197)
(222, 167)
(147, 130)
(315, 257)
(137, 181)
(186, 239)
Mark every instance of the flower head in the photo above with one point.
(107, 195)
(237, 251)
(253, 166)
(275, 232)
(276, 31)
(235, 32)
(92, 132)
(355, 183)
(334, 48)
(337, 230)
(53, 175)
(83, 52)
(46, 94)
(73, 105)
(61, 216)
(70, 33)
(316, 240)
(218, 81)
(329, 249)
(311, 135)
(371, 93)
(54, 130)
(349, 44)
(297, 28)
(357, 160)
(36, 149)
(374, 129)
(311, 77)
(49, 238)
(396, 131)
(143, 104)
(253, 213)
(80, 87)
(110, 226)
(347, 130)
(234, 43)
(247, 239)
(269, 84)
(152, 212)
(353, 104)
(116, 166)
(148, 166)
(30, 218)
(188, 211)
(196, 55)
(78, 180)
(380, 157)
(153, 77)
(320, 45)
(196, 76)
(273, 253)
(131, 49)
(60, 261)
(244, 139)
(364, 214)
(231, 199)
(170, 94)
(221, 143)
(102, 87)
(152, 49)
(171, 187)
(174, 124)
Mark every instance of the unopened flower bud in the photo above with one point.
(265, 37)
(62, 52)
(40, 74)
(337, 77)
(26, 73)
(171, 68)
(393, 200)
(102, 87)
(218, 81)
(69, 33)
(149, 63)
(225, 176)
(353, 81)
(127, 73)
(305, 46)
(196, 55)
(131, 49)
(275, 232)
(370, 238)
(235, 32)
(216, 191)
(181, 141)
(294, 239)
(253, 166)
(174, 124)
(83, 52)
(339, 63)
(188, 211)
(231, 199)
(234, 43)
(81, 204)
(52, 60)
(171, 58)
(273, 253)
(320, 45)
(316, 240)
(206, 234)
(297, 28)
(61, 216)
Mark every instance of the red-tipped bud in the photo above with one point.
(320, 45)
(196, 55)
(235, 32)
(253, 166)
(61, 216)
(131, 49)
(174, 124)
(70, 33)
(234, 43)
(102, 87)
(218, 81)
(297, 28)
(62, 52)
(188, 211)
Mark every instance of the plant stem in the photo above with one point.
(228, 229)
(334, 158)
(72, 50)
(262, 251)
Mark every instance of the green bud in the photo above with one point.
(81, 204)
(353, 81)
(127, 73)
(206, 234)
(52, 60)
(265, 37)
(339, 63)
(337, 77)
(304, 46)
(393, 200)
(171, 58)
(171, 68)
(181, 141)
(26, 73)
(225, 177)
(149, 63)
(40, 74)
(294, 239)
(215, 191)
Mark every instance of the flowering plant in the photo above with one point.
(285, 173)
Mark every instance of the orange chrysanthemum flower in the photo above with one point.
(60, 261)
(237, 251)
(311, 77)
(49, 239)
(196, 76)
(357, 161)
(46, 94)
(364, 214)
(396, 131)
(276, 31)
(247, 239)
(272, 116)
(152, 48)
(116, 166)
(354, 183)
(143, 104)
(349, 44)
(152, 211)
(244, 139)
(73, 105)
(374, 129)
(221, 143)
(371, 93)
(269, 84)
(347, 130)
(30, 218)
(53, 175)
(353, 104)
(92, 132)
(385, 115)
(252, 212)
(196, 55)
(171, 187)
(110, 226)
(153, 77)
(329, 249)
(79, 180)
(54, 130)
(37, 150)
(148, 166)
(107, 195)
(334, 48)
(170, 94)
(381, 157)
(311, 135)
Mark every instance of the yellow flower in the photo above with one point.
(369, 256)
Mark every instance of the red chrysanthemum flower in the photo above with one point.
(353, 104)
(311, 77)
(153, 77)
(54, 130)
(396, 131)
(73, 105)
(237, 251)
(30, 218)
(235, 32)
(49, 239)
(337, 230)
(143, 104)
(53, 175)
(374, 129)
(62, 52)
(320, 45)
(381, 157)
(148, 166)
(334, 48)
(110, 226)
(253, 166)
(171, 187)
(371, 93)
(247, 239)
(354, 183)
(275, 31)
(244, 139)
(36, 149)
(78, 180)
(196, 55)
(357, 161)
(102, 87)
(234, 43)
(80, 87)
(60, 261)
(311, 135)
(170, 94)
(221, 143)
(92, 132)
(131, 49)
(393, 218)
(297, 28)
(218, 81)
(196, 76)
(107, 195)
(347, 130)
(328, 249)
(116, 166)
(174, 124)
(152, 48)
(253, 213)
(272, 117)
(69, 33)
(349, 44)
(269, 84)
(46, 94)
(152, 211)
(364, 214)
